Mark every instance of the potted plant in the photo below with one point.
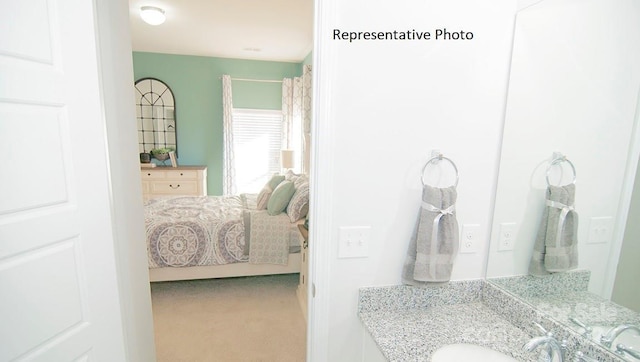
(161, 154)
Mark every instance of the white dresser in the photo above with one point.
(166, 181)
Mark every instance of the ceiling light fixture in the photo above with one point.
(152, 15)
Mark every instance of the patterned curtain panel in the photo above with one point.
(287, 112)
(292, 113)
(307, 96)
(228, 172)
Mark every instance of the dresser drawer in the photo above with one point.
(175, 187)
(174, 181)
(180, 175)
(152, 175)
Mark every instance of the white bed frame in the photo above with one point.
(225, 271)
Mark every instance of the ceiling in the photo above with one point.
(276, 30)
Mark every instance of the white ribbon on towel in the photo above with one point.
(566, 209)
(434, 231)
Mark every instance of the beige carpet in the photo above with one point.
(233, 319)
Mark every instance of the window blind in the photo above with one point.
(257, 138)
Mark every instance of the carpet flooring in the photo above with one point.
(233, 319)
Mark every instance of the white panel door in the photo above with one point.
(58, 290)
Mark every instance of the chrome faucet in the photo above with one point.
(587, 330)
(621, 349)
(608, 339)
(553, 346)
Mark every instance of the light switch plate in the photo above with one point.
(354, 241)
(600, 229)
(470, 238)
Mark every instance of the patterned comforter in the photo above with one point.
(210, 230)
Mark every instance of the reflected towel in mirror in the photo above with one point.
(556, 245)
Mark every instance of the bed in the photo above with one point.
(200, 237)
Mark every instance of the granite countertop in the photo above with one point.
(414, 335)
(410, 323)
(585, 306)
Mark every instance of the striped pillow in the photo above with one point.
(299, 205)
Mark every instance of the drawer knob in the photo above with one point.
(181, 174)
(149, 174)
(174, 187)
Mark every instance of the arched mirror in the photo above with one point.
(155, 115)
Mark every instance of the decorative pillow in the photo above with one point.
(299, 205)
(280, 198)
(296, 178)
(267, 190)
(289, 174)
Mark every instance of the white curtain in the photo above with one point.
(291, 109)
(292, 118)
(228, 172)
(306, 117)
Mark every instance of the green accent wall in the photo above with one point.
(308, 59)
(197, 87)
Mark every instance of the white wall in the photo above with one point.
(626, 291)
(116, 81)
(573, 86)
(384, 106)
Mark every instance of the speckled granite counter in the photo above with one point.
(586, 307)
(414, 335)
(565, 295)
(522, 315)
(525, 286)
(410, 324)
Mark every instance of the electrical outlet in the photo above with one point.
(507, 237)
(600, 229)
(470, 238)
(354, 242)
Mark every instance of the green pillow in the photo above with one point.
(280, 197)
(267, 190)
(275, 181)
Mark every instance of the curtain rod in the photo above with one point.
(255, 80)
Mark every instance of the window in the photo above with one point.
(257, 140)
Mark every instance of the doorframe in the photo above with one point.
(115, 79)
(626, 193)
(321, 174)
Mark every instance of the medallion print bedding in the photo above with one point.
(207, 230)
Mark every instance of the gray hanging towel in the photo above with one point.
(556, 245)
(434, 244)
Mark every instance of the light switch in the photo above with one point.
(600, 229)
(354, 242)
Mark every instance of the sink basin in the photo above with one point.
(628, 338)
(469, 352)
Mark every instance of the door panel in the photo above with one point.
(58, 282)
(41, 180)
(28, 30)
(52, 273)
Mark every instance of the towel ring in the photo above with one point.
(439, 158)
(556, 162)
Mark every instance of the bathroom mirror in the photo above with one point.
(573, 91)
(155, 115)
